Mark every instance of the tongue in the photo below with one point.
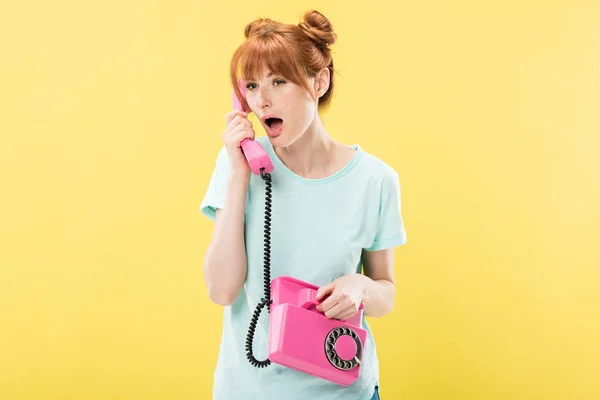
(276, 123)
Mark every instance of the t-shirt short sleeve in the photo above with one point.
(217, 186)
(390, 224)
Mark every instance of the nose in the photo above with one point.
(263, 99)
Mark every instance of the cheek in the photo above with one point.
(307, 112)
(251, 102)
(301, 110)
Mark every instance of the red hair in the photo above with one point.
(296, 52)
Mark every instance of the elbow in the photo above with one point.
(222, 296)
(380, 310)
(387, 305)
(387, 308)
(224, 285)
(382, 304)
(221, 290)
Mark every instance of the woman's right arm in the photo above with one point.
(225, 259)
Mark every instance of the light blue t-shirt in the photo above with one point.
(319, 229)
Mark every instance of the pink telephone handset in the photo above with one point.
(257, 157)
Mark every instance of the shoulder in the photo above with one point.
(378, 169)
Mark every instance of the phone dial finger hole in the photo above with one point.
(343, 348)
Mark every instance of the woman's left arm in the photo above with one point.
(375, 289)
(380, 285)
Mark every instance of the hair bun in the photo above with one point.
(318, 28)
(260, 26)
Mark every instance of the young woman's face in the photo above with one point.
(285, 109)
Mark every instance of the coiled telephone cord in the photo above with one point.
(266, 300)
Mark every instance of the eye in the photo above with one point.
(249, 86)
(279, 81)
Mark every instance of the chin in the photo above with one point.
(283, 140)
(275, 141)
(280, 141)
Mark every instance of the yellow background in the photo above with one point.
(110, 117)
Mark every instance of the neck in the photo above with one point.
(313, 154)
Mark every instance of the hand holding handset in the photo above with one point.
(257, 157)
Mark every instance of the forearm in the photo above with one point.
(225, 260)
(378, 297)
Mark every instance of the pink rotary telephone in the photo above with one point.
(300, 337)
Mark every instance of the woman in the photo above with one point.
(335, 213)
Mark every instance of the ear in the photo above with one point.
(322, 82)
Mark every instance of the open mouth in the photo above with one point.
(274, 123)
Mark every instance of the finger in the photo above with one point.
(334, 298)
(331, 301)
(337, 311)
(245, 133)
(347, 316)
(350, 310)
(231, 115)
(233, 131)
(324, 290)
(328, 303)
(239, 120)
(347, 307)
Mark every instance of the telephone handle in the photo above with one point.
(257, 157)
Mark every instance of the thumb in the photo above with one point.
(323, 290)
